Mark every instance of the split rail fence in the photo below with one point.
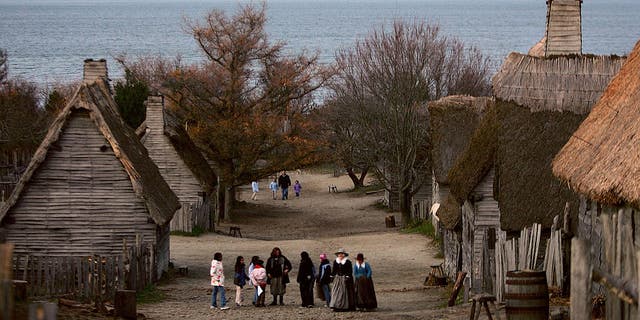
(92, 278)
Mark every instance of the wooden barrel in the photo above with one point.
(526, 295)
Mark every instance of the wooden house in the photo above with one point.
(90, 184)
(452, 120)
(600, 162)
(182, 166)
(503, 181)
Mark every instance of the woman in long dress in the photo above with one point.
(365, 293)
(342, 294)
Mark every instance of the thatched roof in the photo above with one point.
(184, 146)
(601, 158)
(478, 157)
(525, 187)
(453, 121)
(450, 213)
(146, 180)
(564, 27)
(558, 83)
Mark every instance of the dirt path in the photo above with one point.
(316, 222)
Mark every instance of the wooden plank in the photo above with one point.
(580, 307)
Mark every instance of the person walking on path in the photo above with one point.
(252, 266)
(324, 278)
(278, 267)
(297, 188)
(306, 278)
(259, 279)
(284, 182)
(365, 293)
(217, 281)
(239, 279)
(273, 186)
(342, 294)
(255, 189)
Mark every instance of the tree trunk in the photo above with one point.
(405, 206)
(229, 199)
(357, 183)
(363, 175)
(220, 203)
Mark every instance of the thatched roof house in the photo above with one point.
(90, 184)
(180, 162)
(600, 158)
(453, 120)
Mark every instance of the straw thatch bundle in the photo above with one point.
(95, 98)
(525, 186)
(601, 158)
(453, 120)
(560, 83)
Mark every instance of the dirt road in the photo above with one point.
(316, 222)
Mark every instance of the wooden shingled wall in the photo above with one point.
(564, 27)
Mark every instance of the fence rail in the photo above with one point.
(88, 278)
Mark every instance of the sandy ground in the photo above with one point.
(316, 222)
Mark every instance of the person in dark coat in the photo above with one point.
(324, 278)
(306, 278)
(278, 267)
(342, 294)
(284, 182)
(365, 293)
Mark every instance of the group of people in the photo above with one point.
(343, 286)
(283, 182)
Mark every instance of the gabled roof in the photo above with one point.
(184, 146)
(453, 120)
(95, 97)
(558, 83)
(601, 159)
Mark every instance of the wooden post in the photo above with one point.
(6, 285)
(456, 288)
(580, 280)
(125, 304)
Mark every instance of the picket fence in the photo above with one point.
(92, 278)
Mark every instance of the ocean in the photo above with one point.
(48, 40)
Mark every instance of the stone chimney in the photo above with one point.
(155, 113)
(93, 70)
(564, 27)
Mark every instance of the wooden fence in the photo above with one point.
(192, 215)
(87, 278)
(616, 272)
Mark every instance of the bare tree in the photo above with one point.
(3, 65)
(381, 93)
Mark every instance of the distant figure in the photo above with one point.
(324, 278)
(333, 188)
(255, 189)
(252, 265)
(259, 279)
(239, 279)
(306, 277)
(365, 294)
(217, 281)
(342, 294)
(284, 182)
(273, 186)
(297, 188)
(278, 267)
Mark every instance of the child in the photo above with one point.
(239, 279)
(259, 279)
(324, 278)
(252, 266)
(217, 281)
(297, 187)
(255, 189)
(273, 186)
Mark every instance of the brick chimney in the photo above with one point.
(94, 69)
(155, 112)
(564, 27)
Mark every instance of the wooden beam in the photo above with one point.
(580, 280)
